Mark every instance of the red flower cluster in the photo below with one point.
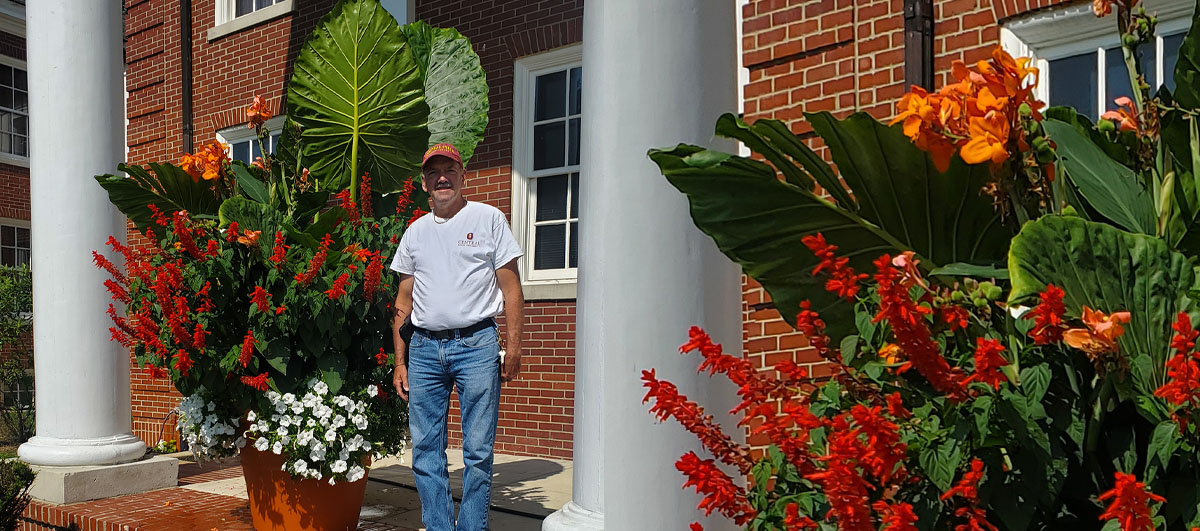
(404, 200)
(364, 196)
(279, 251)
(381, 358)
(1183, 370)
(907, 320)
(351, 207)
(720, 492)
(247, 351)
(314, 265)
(843, 281)
(896, 517)
(967, 488)
(988, 362)
(372, 276)
(1048, 324)
(339, 286)
(259, 383)
(1130, 504)
(261, 298)
(813, 327)
(861, 444)
(956, 316)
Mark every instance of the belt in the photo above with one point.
(457, 332)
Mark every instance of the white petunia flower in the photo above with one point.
(321, 388)
(262, 444)
(360, 421)
(277, 448)
(300, 466)
(251, 416)
(355, 473)
(331, 435)
(372, 390)
(332, 481)
(339, 466)
(317, 454)
(285, 421)
(282, 430)
(338, 421)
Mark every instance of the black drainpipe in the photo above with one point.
(185, 60)
(918, 43)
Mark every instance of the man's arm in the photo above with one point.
(403, 306)
(509, 278)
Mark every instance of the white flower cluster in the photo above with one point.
(208, 434)
(322, 434)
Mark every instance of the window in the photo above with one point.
(14, 245)
(245, 7)
(548, 116)
(1080, 57)
(236, 15)
(14, 111)
(244, 145)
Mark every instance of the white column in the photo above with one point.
(76, 114)
(656, 74)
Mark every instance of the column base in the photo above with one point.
(54, 451)
(572, 517)
(73, 484)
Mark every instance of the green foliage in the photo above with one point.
(900, 203)
(455, 86)
(15, 479)
(16, 327)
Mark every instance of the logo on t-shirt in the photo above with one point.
(469, 242)
(470, 235)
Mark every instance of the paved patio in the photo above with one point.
(212, 496)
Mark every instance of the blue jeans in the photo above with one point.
(472, 365)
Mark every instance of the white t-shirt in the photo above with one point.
(454, 264)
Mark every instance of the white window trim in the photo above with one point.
(1069, 31)
(242, 132)
(9, 158)
(556, 283)
(226, 24)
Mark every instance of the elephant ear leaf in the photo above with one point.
(455, 86)
(1110, 270)
(357, 98)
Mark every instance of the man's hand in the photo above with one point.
(511, 367)
(400, 380)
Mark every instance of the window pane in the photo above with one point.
(8, 236)
(1073, 83)
(22, 237)
(8, 256)
(259, 4)
(551, 198)
(241, 151)
(19, 80)
(255, 150)
(6, 76)
(21, 125)
(549, 247)
(549, 145)
(574, 260)
(1171, 45)
(573, 142)
(23, 257)
(574, 195)
(551, 96)
(274, 142)
(1116, 77)
(6, 98)
(21, 101)
(243, 7)
(20, 145)
(576, 89)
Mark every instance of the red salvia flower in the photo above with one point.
(198, 336)
(404, 200)
(847, 492)
(988, 362)
(883, 454)
(118, 292)
(896, 517)
(843, 281)
(206, 303)
(668, 402)
(156, 372)
(720, 492)
(1048, 324)
(416, 215)
(214, 248)
(967, 488)
(279, 252)
(183, 362)
(314, 265)
(350, 207)
(381, 358)
(261, 298)
(695, 526)
(813, 327)
(955, 316)
(247, 349)
(364, 196)
(793, 520)
(1185, 336)
(231, 233)
(103, 263)
(159, 217)
(339, 286)
(912, 332)
(1130, 504)
(280, 309)
(184, 234)
(372, 276)
(259, 383)
(896, 406)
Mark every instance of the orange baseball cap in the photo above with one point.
(444, 150)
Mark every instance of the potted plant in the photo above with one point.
(263, 295)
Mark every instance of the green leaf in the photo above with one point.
(249, 214)
(1187, 67)
(1110, 188)
(1163, 443)
(358, 98)
(759, 221)
(1035, 381)
(849, 348)
(1110, 270)
(278, 353)
(250, 185)
(959, 269)
(455, 86)
(940, 462)
(168, 188)
(333, 371)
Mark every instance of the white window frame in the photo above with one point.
(21, 224)
(539, 284)
(225, 23)
(1076, 29)
(9, 158)
(242, 133)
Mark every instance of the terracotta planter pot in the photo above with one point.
(280, 502)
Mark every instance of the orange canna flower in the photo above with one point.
(988, 136)
(1125, 116)
(249, 237)
(1101, 333)
(1101, 7)
(257, 113)
(891, 354)
(193, 165)
(918, 112)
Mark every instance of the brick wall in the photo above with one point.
(843, 56)
(14, 192)
(535, 417)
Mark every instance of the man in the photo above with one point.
(458, 270)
